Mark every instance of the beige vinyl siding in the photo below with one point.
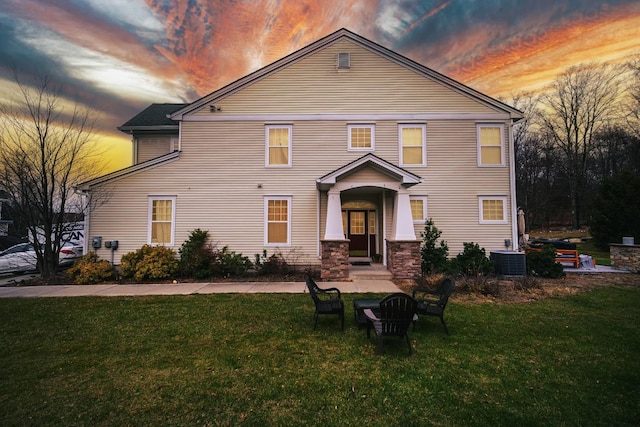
(371, 85)
(453, 182)
(150, 147)
(220, 180)
(367, 175)
(217, 189)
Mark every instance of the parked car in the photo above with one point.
(21, 258)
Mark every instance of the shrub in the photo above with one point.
(88, 270)
(274, 264)
(229, 263)
(434, 257)
(543, 263)
(473, 261)
(149, 263)
(479, 284)
(526, 283)
(196, 256)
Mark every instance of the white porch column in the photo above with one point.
(333, 228)
(402, 218)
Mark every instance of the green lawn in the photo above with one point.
(254, 360)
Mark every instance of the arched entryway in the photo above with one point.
(366, 211)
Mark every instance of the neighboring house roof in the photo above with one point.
(406, 178)
(154, 117)
(359, 40)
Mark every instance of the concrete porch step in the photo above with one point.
(369, 272)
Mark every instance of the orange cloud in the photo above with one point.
(530, 64)
(214, 43)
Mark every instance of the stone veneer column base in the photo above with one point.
(335, 260)
(403, 258)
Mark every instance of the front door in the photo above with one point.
(357, 232)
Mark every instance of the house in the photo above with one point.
(341, 149)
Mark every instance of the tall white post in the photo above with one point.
(402, 218)
(333, 228)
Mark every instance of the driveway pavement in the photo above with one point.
(356, 286)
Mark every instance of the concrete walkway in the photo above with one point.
(112, 290)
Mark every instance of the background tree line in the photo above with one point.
(577, 151)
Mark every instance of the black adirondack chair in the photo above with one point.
(434, 302)
(397, 311)
(326, 301)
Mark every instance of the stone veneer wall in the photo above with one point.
(625, 257)
(335, 260)
(403, 258)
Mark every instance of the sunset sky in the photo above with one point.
(121, 55)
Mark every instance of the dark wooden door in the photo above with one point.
(358, 233)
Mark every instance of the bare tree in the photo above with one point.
(580, 102)
(633, 90)
(46, 148)
(526, 149)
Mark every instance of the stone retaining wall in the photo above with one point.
(625, 257)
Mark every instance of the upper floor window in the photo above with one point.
(490, 145)
(162, 218)
(361, 137)
(492, 210)
(278, 145)
(418, 209)
(412, 140)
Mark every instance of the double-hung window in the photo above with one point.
(418, 209)
(277, 219)
(162, 219)
(413, 142)
(492, 209)
(278, 145)
(490, 145)
(361, 137)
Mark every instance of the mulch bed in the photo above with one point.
(528, 289)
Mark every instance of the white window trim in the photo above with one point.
(479, 146)
(424, 144)
(424, 208)
(266, 221)
(266, 145)
(481, 219)
(173, 219)
(172, 144)
(361, 126)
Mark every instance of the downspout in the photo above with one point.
(512, 183)
(134, 141)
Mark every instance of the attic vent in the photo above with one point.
(344, 60)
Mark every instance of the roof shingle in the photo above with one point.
(152, 116)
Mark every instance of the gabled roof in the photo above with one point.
(361, 41)
(406, 178)
(154, 117)
(131, 170)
